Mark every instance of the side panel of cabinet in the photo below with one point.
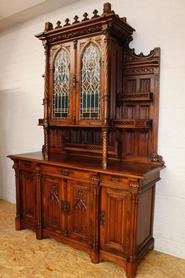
(79, 215)
(53, 219)
(145, 217)
(114, 220)
(28, 199)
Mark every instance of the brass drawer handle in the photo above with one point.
(27, 164)
(65, 172)
(117, 179)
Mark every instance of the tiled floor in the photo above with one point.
(21, 255)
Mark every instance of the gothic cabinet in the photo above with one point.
(93, 184)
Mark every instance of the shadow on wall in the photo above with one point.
(18, 134)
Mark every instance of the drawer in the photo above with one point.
(115, 181)
(27, 165)
(65, 172)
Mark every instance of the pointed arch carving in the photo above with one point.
(61, 84)
(90, 81)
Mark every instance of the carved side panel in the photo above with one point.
(79, 216)
(28, 198)
(145, 224)
(51, 202)
(114, 220)
(139, 99)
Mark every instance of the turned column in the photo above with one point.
(18, 199)
(48, 26)
(105, 100)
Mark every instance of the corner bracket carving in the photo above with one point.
(157, 159)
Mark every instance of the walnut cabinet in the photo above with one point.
(93, 184)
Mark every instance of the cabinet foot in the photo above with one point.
(39, 234)
(17, 224)
(131, 270)
(95, 259)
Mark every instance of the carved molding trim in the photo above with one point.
(84, 31)
(131, 56)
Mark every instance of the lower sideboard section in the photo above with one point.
(107, 216)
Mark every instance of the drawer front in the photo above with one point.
(114, 181)
(27, 165)
(65, 172)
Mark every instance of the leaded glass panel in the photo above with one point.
(90, 83)
(61, 85)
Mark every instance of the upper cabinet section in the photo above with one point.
(76, 82)
(77, 76)
(103, 95)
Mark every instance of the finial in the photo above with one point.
(85, 15)
(107, 8)
(58, 24)
(67, 22)
(76, 19)
(95, 12)
(124, 19)
(48, 26)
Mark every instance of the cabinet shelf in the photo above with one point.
(147, 96)
(125, 123)
(132, 124)
(86, 124)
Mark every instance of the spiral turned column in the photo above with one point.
(104, 147)
(45, 100)
(105, 102)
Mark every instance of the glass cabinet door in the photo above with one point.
(61, 79)
(89, 72)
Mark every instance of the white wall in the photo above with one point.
(158, 23)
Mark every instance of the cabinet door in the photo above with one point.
(79, 216)
(114, 220)
(52, 191)
(61, 83)
(28, 199)
(90, 74)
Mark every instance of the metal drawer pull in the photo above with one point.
(65, 206)
(65, 172)
(115, 179)
(27, 164)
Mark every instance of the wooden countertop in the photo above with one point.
(130, 169)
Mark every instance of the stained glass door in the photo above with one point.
(61, 84)
(89, 56)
